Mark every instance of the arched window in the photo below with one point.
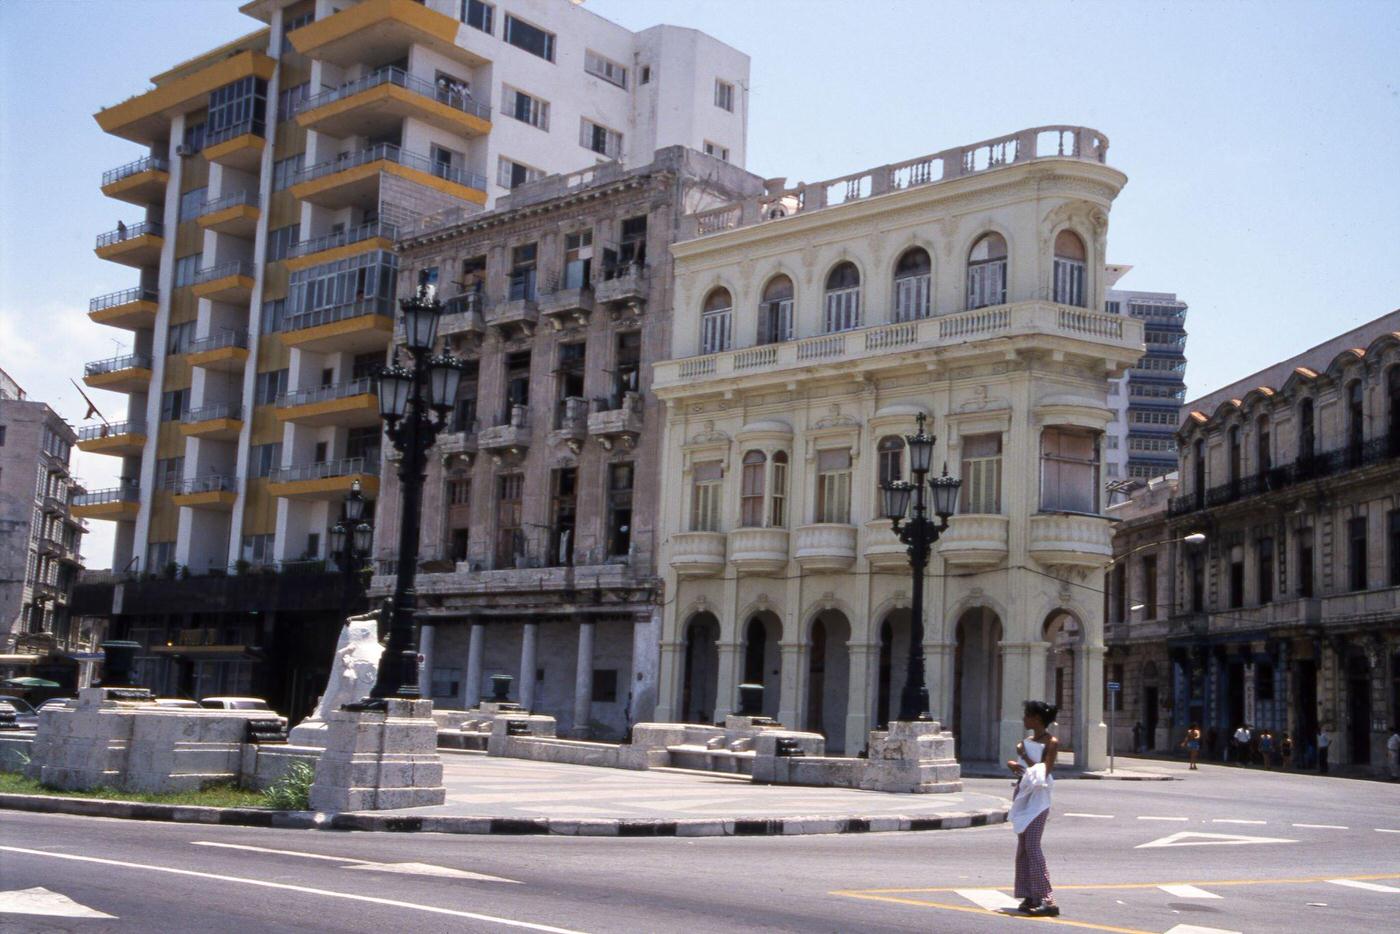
(751, 489)
(775, 312)
(777, 509)
(1307, 431)
(1263, 448)
(1070, 269)
(986, 272)
(1236, 456)
(842, 298)
(912, 284)
(1355, 423)
(715, 318)
(1198, 483)
(1392, 394)
(890, 460)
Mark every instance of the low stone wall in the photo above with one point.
(16, 749)
(265, 764)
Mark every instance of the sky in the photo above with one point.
(1261, 141)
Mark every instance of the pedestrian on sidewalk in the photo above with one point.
(1285, 748)
(1324, 742)
(1240, 743)
(1030, 808)
(1392, 753)
(1266, 749)
(1192, 742)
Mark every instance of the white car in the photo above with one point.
(178, 702)
(241, 703)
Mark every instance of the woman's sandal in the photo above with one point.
(1044, 910)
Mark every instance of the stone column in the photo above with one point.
(528, 642)
(672, 678)
(792, 684)
(583, 680)
(727, 687)
(425, 668)
(938, 675)
(1090, 732)
(859, 703)
(471, 684)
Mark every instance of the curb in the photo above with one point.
(506, 826)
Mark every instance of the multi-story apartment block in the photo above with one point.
(40, 539)
(278, 171)
(1151, 395)
(539, 530)
(1288, 616)
(811, 326)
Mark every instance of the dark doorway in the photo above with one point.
(701, 670)
(1359, 709)
(816, 676)
(882, 701)
(1149, 716)
(1234, 694)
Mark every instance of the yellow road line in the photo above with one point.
(995, 914)
(1137, 885)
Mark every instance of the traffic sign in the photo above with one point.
(1114, 686)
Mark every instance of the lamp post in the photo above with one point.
(919, 533)
(351, 539)
(414, 402)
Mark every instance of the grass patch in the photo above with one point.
(217, 796)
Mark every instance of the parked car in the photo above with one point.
(25, 716)
(53, 702)
(183, 703)
(241, 703)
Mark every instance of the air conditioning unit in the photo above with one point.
(183, 150)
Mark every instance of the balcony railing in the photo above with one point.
(224, 270)
(355, 387)
(95, 432)
(117, 494)
(468, 303)
(345, 467)
(209, 413)
(356, 309)
(226, 337)
(148, 164)
(1316, 467)
(242, 128)
(124, 297)
(130, 361)
(402, 79)
(215, 483)
(344, 238)
(390, 153)
(237, 199)
(131, 232)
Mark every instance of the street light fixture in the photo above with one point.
(920, 533)
(351, 540)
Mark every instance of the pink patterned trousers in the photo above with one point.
(1032, 878)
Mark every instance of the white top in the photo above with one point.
(1032, 796)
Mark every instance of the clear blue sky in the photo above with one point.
(1261, 141)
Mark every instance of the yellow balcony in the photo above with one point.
(377, 104)
(213, 492)
(352, 404)
(131, 373)
(380, 31)
(360, 326)
(219, 422)
(226, 282)
(132, 309)
(141, 182)
(119, 504)
(235, 214)
(133, 245)
(225, 352)
(146, 117)
(237, 147)
(340, 246)
(352, 179)
(326, 481)
(119, 439)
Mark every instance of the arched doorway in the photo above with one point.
(701, 669)
(828, 678)
(894, 665)
(1062, 632)
(977, 685)
(763, 657)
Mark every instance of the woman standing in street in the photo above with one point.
(1192, 742)
(1031, 808)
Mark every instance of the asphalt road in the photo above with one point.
(1319, 855)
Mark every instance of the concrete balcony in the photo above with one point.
(1071, 540)
(146, 117)
(620, 424)
(141, 182)
(231, 283)
(236, 214)
(225, 351)
(355, 327)
(136, 244)
(567, 307)
(570, 424)
(218, 422)
(883, 550)
(239, 146)
(131, 309)
(825, 547)
(329, 480)
(512, 437)
(457, 443)
(381, 31)
(623, 288)
(129, 373)
(340, 245)
(697, 554)
(757, 551)
(974, 541)
(353, 404)
(352, 179)
(217, 492)
(378, 103)
(120, 504)
(462, 317)
(119, 439)
(518, 312)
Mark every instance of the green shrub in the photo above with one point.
(292, 792)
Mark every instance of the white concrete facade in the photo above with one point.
(777, 565)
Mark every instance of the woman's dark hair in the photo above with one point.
(1040, 709)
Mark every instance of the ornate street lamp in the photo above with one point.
(351, 540)
(414, 402)
(919, 533)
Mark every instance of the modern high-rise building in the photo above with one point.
(275, 174)
(1142, 443)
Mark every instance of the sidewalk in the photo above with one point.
(1125, 769)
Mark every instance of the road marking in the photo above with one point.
(1194, 838)
(1187, 891)
(40, 901)
(980, 911)
(1292, 880)
(1231, 820)
(1165, 818)
(1368, 886)
(990, 899)
(1323, 826)
(411, 869)
(285, 887)
(1197, 929)
(1386, 830)
(1099, 816)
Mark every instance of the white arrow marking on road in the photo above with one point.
(350, 862)
(1197, 929)
(40, 901)
(990, 899)
(1193, 838)
(1368, 886)
(1187, 891)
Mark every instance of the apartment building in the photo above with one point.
(1150, 397)
(1288, 616)
(539, 533)
(812, 325)
(40, 540)
(278, 170)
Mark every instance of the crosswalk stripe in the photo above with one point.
(1187, 891)
(1368, 886)
(990, 899)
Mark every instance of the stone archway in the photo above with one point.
(701, 681)
(828, 677)
(894, 664)
(1063, 636)
(762, 654)
(977, 685)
